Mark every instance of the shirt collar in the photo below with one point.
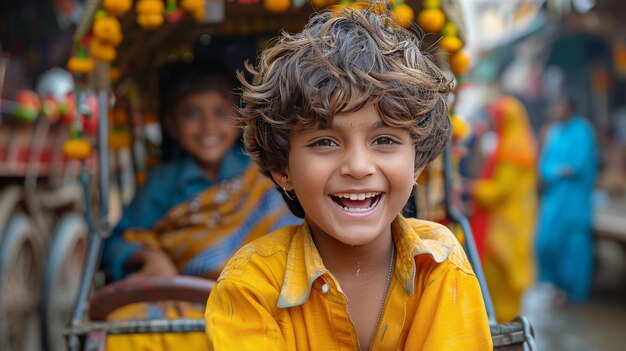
(304, 263)
(235, 162)
(304, 266)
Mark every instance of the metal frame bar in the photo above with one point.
(151, 326)
(99, 231)
(470, 245)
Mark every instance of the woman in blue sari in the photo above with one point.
(567, 171)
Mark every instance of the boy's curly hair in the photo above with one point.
(341, 62)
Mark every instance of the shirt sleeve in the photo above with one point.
(489, 192)
(549, 171)
(583, 155)
(148, 205)
(453, 308)
(238, 317)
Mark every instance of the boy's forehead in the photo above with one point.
(338, 122)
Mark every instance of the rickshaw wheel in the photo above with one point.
(21, 256)
(62, 278)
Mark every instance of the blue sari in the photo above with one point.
(564, 243)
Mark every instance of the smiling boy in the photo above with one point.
(344, 116)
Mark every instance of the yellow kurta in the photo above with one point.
(276, 294)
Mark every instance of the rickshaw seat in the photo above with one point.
(148, 289)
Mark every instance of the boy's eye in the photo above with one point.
(221, 112)
(192, 113)
(325, 142)
(385, 140)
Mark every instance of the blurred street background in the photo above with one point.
(526, 71)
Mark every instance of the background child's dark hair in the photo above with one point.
(178, 81)
(341, 63)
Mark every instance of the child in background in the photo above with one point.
(195, 211)
(344, 116)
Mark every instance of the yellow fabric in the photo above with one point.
(156, 342)
(510, 198)
(185, 231)
(210, 218)
(270, 296)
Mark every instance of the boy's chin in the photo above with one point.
(356, 236)
(208, 163)
(209, 159)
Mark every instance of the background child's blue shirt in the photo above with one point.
(168, 185)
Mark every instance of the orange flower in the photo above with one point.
(108, 30)
(117, 7)
(276, 6)
(102, 51)
(80, 65)
(431, 20)
(150, 13)
(460, 128)
(451, 44)
(460, 62)
(78, 149)
(403, 15)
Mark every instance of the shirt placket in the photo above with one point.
(392, 320)
(341, 322)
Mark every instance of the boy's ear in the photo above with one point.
(417, 173)
(282, 179)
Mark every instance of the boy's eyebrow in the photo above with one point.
(378, 124)
(375, 125)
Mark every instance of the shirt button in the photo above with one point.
(325, 288)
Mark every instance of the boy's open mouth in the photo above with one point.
(357, 202)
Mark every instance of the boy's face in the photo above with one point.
(204, 128)
(351, 179)
(559, 110)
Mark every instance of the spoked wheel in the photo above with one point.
(62, 277)
(21, 258)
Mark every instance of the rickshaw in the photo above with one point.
(43, 235)
(153, 35)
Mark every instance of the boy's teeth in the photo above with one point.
(357, 196)
(356, 209)
(210, 139)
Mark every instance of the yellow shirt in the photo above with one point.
(276, 294)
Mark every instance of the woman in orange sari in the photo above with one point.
(505, 206)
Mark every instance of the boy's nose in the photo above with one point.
(357, 162)
(208, 123)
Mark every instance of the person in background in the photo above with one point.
(344, 116)
(196, 210)
(505, 206)
(567, 170)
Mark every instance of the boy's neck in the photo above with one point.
(211, 172)
(359, 260)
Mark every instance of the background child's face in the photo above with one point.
(559, 110)
(204, 128)
(353, 178)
